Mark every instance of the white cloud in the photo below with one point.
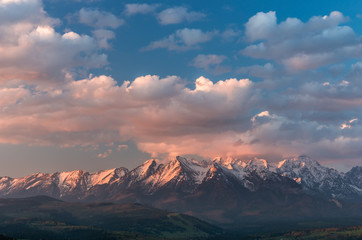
(136, 8)
(230, 34)
(181, 40)
(99, 19)
(264, 71)
(299, 46)
(210, 63)
(103, 36)
(153, 88)
(260, 26)
(178, 15)
(204, 61)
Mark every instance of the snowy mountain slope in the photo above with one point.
(189, 176)
(72, 184)
(317, 179)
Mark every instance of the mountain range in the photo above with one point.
(226, 192)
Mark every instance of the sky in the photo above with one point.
(101, 84)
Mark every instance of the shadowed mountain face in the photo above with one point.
(231, 192)
(46, 218)
(354, 176)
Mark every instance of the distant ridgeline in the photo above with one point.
(233, 193)
(46, 218)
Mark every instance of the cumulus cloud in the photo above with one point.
(178, 15)
(299, 46)
(31, 50)
(211, 63)
(99, 19)
(136, 8)
(183, 39)
(260, 26)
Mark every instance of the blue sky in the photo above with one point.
(100, 84)
(127, 61)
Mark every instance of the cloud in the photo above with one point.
(204, 61)
(177, 15)
(261, 115)
(181, 40)
(122, 147)
(149, 110)
(230, 34)
(263, 71)
(103, 36)
(15, 11)
(260, 26)
(135, 8)
(165, 117)
(211, 63)
(31, 50)
(105, 154)
(99, 19)
(348, 124)
(301, 46)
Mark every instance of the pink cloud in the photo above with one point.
(97, 109)
(32, 51)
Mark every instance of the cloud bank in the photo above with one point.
(45, 98)
(166, 118)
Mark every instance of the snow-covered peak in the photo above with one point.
(226, 162)
(215, 171)
(144, 170)
(215, 167)
(68, 181)
(298, 162)
(149, 163)
(251, 164)
(257, 164)
(314, 177)
(107, 176)
(191, 170)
